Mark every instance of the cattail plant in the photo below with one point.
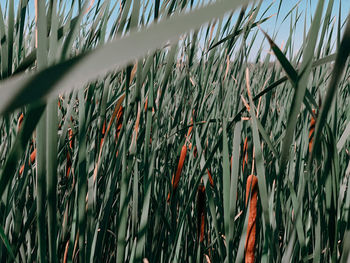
(119, 122)
(312, 130)
(201, 199)
(19, 122)
(31, 161)
(130, 72)
(176, 178)
(211, 181)
(252, 189)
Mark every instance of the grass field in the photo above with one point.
(143, 131)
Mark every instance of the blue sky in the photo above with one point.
(283, 28)
(274, 26)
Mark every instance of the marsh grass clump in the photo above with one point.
(111, 108)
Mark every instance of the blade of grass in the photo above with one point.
(234, 186)
(6, 243)
(340, 63)
(226, 182)
(112, 55)
(41, 136)
(301, 85)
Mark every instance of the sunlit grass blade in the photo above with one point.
(112, 55)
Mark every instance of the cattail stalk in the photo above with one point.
(211, 181)
(201, 199)
(19, 122)
(252, 186)
(176, 178)
(31, 161)
(312, 130)
(119, 122)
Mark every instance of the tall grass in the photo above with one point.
(147, 117)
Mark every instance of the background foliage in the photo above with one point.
(99, 99)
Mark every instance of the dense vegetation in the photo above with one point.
(129, 130)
